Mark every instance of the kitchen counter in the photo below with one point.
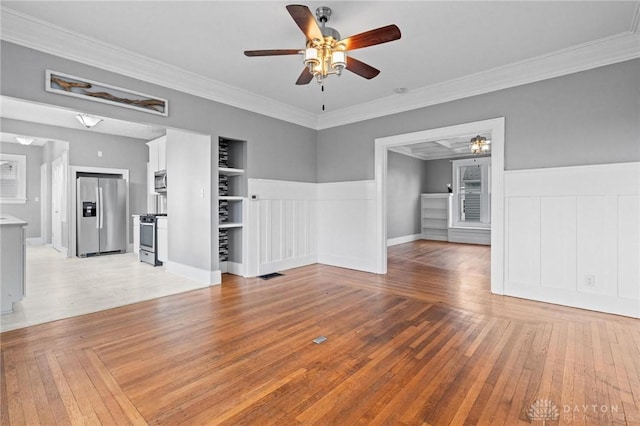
(7, 220)
(12, 261)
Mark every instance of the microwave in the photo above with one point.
(160, 180)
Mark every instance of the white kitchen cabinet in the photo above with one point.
(163, 238)
(157, 161)
(136, 233)
(12, 262)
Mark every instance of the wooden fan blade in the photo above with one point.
(272, 52)
(305, 77)
(305, 20)
(372, 37)
(360, 68)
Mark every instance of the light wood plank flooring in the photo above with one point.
(425, 344)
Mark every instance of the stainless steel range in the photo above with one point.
(149, 238)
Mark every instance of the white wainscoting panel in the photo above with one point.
(346, 223)
(557, 242)
(597, 224)
(573, 236)
(629, 247)
(523, 241)
(282, 224)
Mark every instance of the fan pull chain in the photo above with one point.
(322, 97)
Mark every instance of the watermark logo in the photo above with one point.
(543, 409)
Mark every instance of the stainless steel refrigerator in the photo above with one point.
(102, 216)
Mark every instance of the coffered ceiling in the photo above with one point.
(448, 49)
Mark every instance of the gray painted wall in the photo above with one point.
(117, 152)
(437, 175)
(406, 180)
(275, 149)
(591, 117)
(30, 211)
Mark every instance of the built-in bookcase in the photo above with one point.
(435, 216)
(232, 193)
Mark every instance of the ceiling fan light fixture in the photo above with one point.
(87, 120)
(311, 57)
(23, 140)
(326, 51)
(338, 60)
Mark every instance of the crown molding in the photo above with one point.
(598, 53)
(40, 35)
(36, 34)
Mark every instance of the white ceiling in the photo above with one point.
(442, 42)
(441, 148)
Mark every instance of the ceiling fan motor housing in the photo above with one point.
(323, 13)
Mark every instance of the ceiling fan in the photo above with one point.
(326, 52)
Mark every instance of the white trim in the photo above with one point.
(355, 263)
(597, 53)
(283, 265)
(35, 241)
(43, 36)
(496, 128)
(586, 180)
(232, 268)
(36, 34)
(196, 274)
(572, 236)
(402, 240)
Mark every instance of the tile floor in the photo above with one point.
(59, 287)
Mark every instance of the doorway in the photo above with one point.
(495, 127)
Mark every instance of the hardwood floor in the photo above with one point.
(425, 344)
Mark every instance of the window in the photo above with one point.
(472, 193)
(13, 178)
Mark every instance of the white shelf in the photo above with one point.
(230, 198)
(435, 216)
(230, 171)
(230, 225)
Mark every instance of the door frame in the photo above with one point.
(45, 206)
(73, 172)
(493, 126)
(59, 188)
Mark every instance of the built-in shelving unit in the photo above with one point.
(435, 216)
(232, 193)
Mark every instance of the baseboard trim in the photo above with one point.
(35, 241)
(603, 303)
(402, 240)
(283, 265)
(365, 265)
(199, 275)
(232, 268)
